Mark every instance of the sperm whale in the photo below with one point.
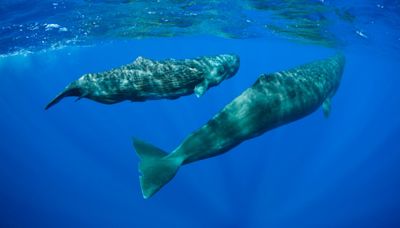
(146, 79)
(273, 100)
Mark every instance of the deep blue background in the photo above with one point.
(74, 165)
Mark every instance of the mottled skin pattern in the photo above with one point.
(274, 99)
(146, 79)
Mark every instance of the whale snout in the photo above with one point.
(70, 91)
(230, 65)
(234, 65)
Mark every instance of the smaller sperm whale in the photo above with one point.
(273, 100)
(146, 79)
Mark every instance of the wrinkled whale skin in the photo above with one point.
(273, 100)
(146, 79)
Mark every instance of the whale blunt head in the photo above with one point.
(72, 90)
(224, 67)
(231, 65)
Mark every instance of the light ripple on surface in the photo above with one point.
(29, 26)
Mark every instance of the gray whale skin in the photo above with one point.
(273, 100)
(145, 79)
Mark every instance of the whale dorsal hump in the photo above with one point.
(140, 60)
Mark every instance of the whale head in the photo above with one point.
(217, 69)
(223, 67)
(230, 65)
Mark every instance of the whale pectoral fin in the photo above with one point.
(201, 88)
(156, 168)
(326, 107)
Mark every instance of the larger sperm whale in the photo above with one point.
(273, 100)
(146, 79)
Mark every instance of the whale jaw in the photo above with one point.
(69, 91)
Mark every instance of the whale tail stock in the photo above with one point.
(68, 92)
(156, 167)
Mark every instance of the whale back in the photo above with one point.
(273, 100)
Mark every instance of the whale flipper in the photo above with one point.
(326, 107)
(201, 88)
(156, 167)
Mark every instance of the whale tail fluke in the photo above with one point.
(68, 92)
(156, 167)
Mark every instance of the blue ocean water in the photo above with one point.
(74, 165)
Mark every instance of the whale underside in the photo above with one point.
(273, 100)
(146, 79)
